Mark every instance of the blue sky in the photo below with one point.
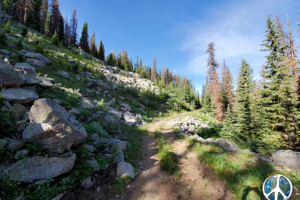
(177, 32)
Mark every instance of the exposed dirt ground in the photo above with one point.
(197, 181)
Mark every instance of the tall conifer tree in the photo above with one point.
(83, 42)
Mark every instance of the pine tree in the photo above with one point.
(228, 130)
(110, 60)
(154, 71)
(61, 31)
(44, 12)
(227, 86)
(83, 42)
(148, 72)
(73, 29)
(278, 97)
(92, 46)
(54, 39)
(206, 100)
(54, 17)
(47, 24)
(33, 19)
(187, 91)
(244, 104)
(101, 51)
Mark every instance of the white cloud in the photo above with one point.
(236, 30)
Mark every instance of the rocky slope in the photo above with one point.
(84, 121)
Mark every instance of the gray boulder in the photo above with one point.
(48, 137)
(36, 58)
(287, 157)
(93, 163)
(9, 77)
(87, 183)
(25, 67)
(228, 145)
(48, 111)
(126, 107)
(120, 155)
(3, 143)
(95, 137)
(38, 167)
(74, 111)
(46, 82)
(19, 95)
(13, 144)
(21, 153)
(210, 140)
(116, 113)
(113, 126)
(64, 73)
(4, 51)
(89, 147)
(125, 169)
(19, 111)
(87, 104)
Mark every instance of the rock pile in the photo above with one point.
(190, 124)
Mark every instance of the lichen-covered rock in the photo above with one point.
(19, 95)
(38, 167)
(46, 82)
(125, 169)
(48, 111)
(87, 104)
(48, 137)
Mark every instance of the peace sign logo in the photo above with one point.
(277, 187)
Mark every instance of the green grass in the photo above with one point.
(167, 158)
(120, 182)
(160, 136)
(241, 174)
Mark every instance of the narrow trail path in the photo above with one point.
(197, 180)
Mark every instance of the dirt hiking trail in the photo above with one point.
(197, 181)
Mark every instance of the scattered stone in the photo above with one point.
(60, 196)
(116, 113)
(21, 127)
(93, 163)
(48, 111)
(120, 155)
(19, 95)
(19, 111)
(126, 107)
(113, 125)
(78, 77)
(48, 137)
(21, 153)
(95, 137)
(14, 145)
(98, 190)
(210, 140)
(74, 111)
(64, 73)
(124, 169)
(21, 196)
(4, 51)
(31, 88)
(46, 82)
(36, 168)
(87, 183)
(3, 143)
(89, 147)
(226, 144)
(87, 104)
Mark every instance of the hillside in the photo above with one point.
(73, 127)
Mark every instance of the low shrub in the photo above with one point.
(34, 37)
(3, 39)
(7, 28)
(39, 48)
(24, 31)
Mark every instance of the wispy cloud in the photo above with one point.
(236, 30)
